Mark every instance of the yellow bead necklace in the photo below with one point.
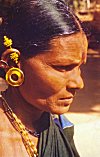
(17, 124)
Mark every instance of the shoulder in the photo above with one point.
(5, 125)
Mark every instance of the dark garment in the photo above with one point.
(57, 142)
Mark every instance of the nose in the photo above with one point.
(75, 81)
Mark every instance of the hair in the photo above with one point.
(31, 24)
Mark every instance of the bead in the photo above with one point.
(28, 143)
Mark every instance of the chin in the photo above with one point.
(60, 110)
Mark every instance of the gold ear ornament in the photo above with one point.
(3, 64)
(7, 42)
(14, 56)
(14, 77)
(14, 53)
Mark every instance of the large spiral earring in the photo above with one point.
(14, 77)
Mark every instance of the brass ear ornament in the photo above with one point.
(3, 64)
(7, 42)
(14, 76)
(14, 53)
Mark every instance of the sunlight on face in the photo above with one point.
(52, 77)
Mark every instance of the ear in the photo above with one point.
(12, 57)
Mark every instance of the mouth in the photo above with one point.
(65, 101)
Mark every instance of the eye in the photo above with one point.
(64, 68)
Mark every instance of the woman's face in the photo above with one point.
(52, 77)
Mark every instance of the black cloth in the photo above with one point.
(56, 142)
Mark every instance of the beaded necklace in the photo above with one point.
(17, 124)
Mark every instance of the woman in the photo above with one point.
(42, 73)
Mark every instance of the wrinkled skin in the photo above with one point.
(52, 77)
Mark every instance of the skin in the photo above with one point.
(51, 80)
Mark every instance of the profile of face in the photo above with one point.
(52, 77)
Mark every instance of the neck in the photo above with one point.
(30, 116)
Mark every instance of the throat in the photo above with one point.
(41, 124)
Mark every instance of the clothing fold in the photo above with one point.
(54, 142)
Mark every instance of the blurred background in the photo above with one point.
(85, 110)
(88, 12)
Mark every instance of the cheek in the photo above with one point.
(44, 82)
(52, 81)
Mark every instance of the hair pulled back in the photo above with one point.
(33, 23)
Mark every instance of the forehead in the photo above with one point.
(67, 47)
(65, 50)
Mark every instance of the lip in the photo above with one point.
(66, 101)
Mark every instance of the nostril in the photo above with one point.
(72, 91)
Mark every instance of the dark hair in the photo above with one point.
(33, 23)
